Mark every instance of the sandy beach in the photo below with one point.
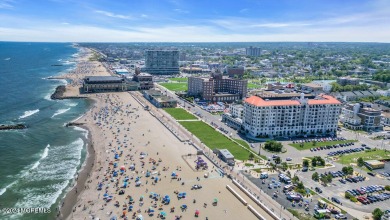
(135, 165)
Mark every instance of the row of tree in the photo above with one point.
(339, 88)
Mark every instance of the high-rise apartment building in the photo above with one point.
(253, 51)
(161, 62)
(286, 117)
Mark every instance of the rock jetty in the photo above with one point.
(58, 93)
(73, 124)
(13, 127)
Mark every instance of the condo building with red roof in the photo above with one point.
(288, 117)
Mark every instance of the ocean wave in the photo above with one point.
(69, 62)
(29, 113)
(2, 191)
(60, 111)
(55, 171)
(71, 104)
(85, 131)
(43, 156)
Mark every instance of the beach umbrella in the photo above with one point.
(215, 200)
(140, 217)
(123, 168)
(113, 218)
(173, 174)
(197, 212)
(163, 214)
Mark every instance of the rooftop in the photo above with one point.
(102, 78)
(319, 100)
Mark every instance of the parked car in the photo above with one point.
(318, 190)
(336, 200)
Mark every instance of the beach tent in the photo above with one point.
(183, 206)
(181, 195)
(113, 218)
(156, 179)
(140, 217)
(147, 174)
(116, 156)
(115, 165)
(166, 200)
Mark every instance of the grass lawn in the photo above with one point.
(249, 165)
(175, 86)
(179, 113)
(366, 155)
(242, 142)
(253, 86)
(176, 79)
(309, 145)
(213, 139)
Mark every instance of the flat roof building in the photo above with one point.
(108, 84)
(161, 62)
(357, 117)
(374, 164)
(217, 88)
(158, 99)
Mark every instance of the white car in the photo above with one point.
(341, 216)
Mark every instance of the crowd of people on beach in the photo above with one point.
(131, 167)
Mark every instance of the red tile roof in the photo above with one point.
(257, 101)
(327, 99)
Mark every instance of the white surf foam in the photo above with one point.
(2, 191)
(43, 156)
(7, 59)
(59, 167)
(85, 131)
(29, 113)
(71, 104)
(60, 111)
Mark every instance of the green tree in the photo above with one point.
(314, 162)
(360, 162)
(273, 146)
(348, 170)
(305, 163)
(315, 176)
(251, 156)
(377, 214)
(278, 160)
(284, 166)
(295, 179)
(314, 143)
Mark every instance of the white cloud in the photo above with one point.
(65, 23)
(144, 16)
(188, 33)
(181, 11)
(6, 4)
(243, 10)
(110, 14)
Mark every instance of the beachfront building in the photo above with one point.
(357, 117)
(217, 88)
(108, 84)
(287, 117)
(233, 118)
(158, 99)
(161, 62)
(253, 51)
(145, 80)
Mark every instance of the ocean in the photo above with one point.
(37, 164)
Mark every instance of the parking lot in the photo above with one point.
(271, 185)
(337, 189)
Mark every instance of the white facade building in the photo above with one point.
(291, 117)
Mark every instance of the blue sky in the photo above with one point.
(195, 20)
